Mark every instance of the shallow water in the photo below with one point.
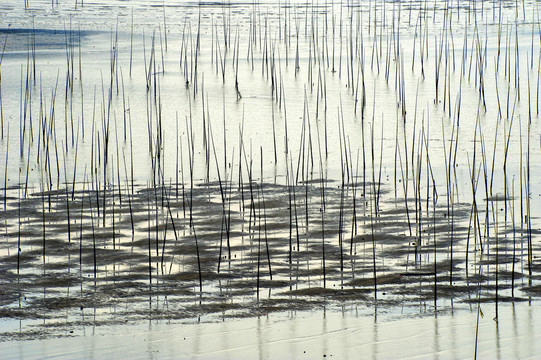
(323, 169)
(340, 334)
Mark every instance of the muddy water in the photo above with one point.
(332, 334)
(320, 283)
(322, 184)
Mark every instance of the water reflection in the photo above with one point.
(375, 329)
(124, 282)
(343, 335)
(436, 334)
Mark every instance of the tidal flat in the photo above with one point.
(270, 179)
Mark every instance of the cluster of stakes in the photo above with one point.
(208, 231)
